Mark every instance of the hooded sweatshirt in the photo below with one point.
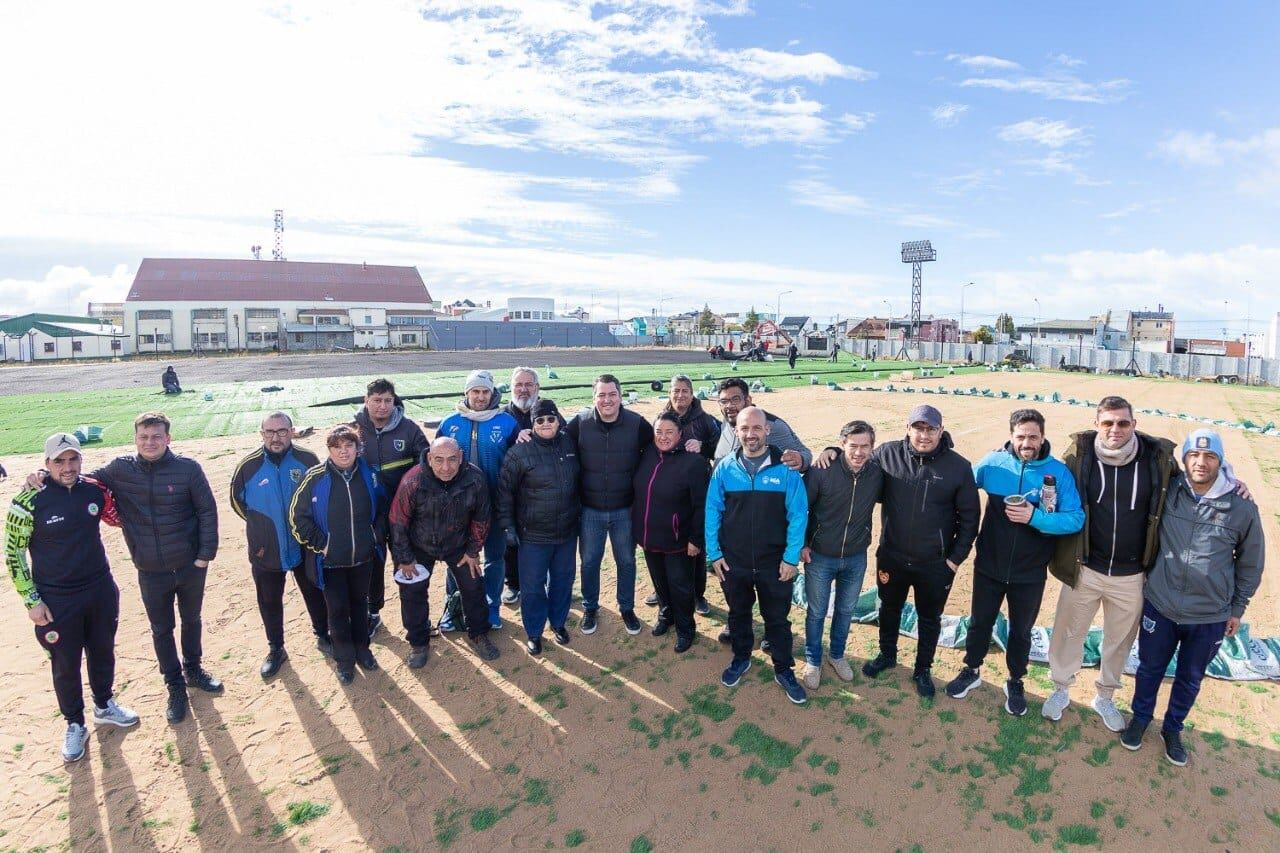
(393, 449)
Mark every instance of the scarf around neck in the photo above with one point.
(1116, 458)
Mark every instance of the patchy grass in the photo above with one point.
(752, 740)
(1098, 756)
(641, 844)
(574, 838)
(704, 703)
(817, 789)
(1079, 833)
(1216, 740)
(306, 811)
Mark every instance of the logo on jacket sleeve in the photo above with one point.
(51, 637)
(398, 444)
(295, 474)
(93, 509)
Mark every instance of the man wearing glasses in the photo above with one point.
(261, 489)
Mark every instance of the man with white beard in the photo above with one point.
(524, 396)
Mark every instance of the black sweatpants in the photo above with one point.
(159, 592)
(1024, 606)
(511, 562)
(673, 580)
(83, 625)
(415, 611)
(699, 577)
(743, 586)
(346, 595)
(932, 585)
(270, 587)
(378, 579)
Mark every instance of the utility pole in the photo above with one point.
(962, 290)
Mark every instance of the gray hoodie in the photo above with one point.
(1209, 563)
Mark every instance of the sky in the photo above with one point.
(655, 155)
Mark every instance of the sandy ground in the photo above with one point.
(614, 741)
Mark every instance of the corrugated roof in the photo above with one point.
(59, 326)
(230, 280)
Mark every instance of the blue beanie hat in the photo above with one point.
(1204, 439)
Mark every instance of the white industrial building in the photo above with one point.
(49, 337)
(183, 304)
(521, 309)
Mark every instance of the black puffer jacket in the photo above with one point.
(544, 474)
(931, 505)
(609, 454)
(434, 520)
(671, 498)
(695, 423)
(840, 507)
(167, 510)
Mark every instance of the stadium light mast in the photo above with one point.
(916, 252)
(277, 253)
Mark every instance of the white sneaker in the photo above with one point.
(73, 743)
(114, 715)
(1110, 714)
(1055, 705)
(812, 676)
(510, 596)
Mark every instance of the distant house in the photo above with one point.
(47, 337)
(1152, 330)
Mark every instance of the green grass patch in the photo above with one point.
(1079, 833)
(641, 844)
(1033, 780)
(475, 724)
(1097, 810)
(1218, 791)
(704, 703)
(817, 789)
(815, 759)
(1100, 755)
(538, 792)
(574, 838)
(832, 767)
(752, 740)
(1274, 816)
(1217, 741)
(946, 716)
(306, 811)
(856, 719)
(763, 774)
(552, 698)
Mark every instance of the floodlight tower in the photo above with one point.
(277, 253)
(916, 252)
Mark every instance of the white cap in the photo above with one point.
(59, 443)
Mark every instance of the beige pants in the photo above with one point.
(1121, 600)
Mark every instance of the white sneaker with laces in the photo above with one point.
(1055, 705)
(1110, 714)
(73, 743)
(115, 715)
(510, 596)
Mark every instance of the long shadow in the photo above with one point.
(125, 812)
(84, 823)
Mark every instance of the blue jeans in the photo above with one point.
(846, 573)
(546, 585)
(616, 524)
(1158, 639)
(493, 555)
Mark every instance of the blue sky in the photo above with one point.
(662, 153)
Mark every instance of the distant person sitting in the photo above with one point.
(169, 379)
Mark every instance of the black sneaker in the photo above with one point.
(734, 672)
(325, 646)
(793, 689)
(960, 686)
(375, 622)
(631, 623)
(198, 677)
(418, 657)
(661, 627)
(1173, 748)
(274, 660)
(561, 635)
(724, 636)
(587, 625)
(701, 607)
(1015, 698)
(924, 684)
(365, 660)
(176, 709)
(533, 645)
(877, 665)
(485, 648)
(684, 642)
(1132, 737)
(346, 676)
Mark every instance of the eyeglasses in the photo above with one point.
(732, 401)
(278, 433)
(1115, 424)
(546, 419)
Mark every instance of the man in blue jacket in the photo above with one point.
(261, 489)
(1031, 500)
(756, 515)
(484, 431)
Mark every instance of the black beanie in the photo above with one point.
(545, 407)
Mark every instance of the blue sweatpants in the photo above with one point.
(1158, 639)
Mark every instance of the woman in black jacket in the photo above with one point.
(666, 519)
(543, 523)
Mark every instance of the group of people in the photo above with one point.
(516, 503)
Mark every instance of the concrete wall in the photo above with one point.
(475, 334)
(38, 346)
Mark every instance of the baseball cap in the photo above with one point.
(925, 414)
(59, 443)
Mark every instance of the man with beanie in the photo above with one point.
(484, 432)
(390, 444)
(610, 441)
(1209, 564)
(525, 388)
(1031, 499)
(928, 523)
(67, 587)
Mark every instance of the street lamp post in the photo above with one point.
(962, 290)
(1033, 340)
(777, 316)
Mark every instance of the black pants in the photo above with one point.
(791, 361)
(378, 580)
(743, 586)
(1024, 606)
(673, 580)
(511, 562)
(270, 587)
(932, 585)
(85, 625)
(415, 612)
(699, 577)
(159, 592)
(346, 595)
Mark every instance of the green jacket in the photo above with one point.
(1159, 454)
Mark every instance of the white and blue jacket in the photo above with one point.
(261, 489)
(756, 522)
(492, 439)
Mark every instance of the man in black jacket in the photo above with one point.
(390, 443)
(927, 526)
(842, 497)
(525, 387)
(441, 512)
(610, 441)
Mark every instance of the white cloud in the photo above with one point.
(972, 181)
(982, 62)
(818, 193)
(856, 122)
(64, 290)
(1057, 82)
(1256, 159)
(1042, 131)
(1065, 60)
(1193, 149)
(948, 114)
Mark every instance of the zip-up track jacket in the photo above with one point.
(756, 522)
(59, 526)
(339, 520)
(261, 491)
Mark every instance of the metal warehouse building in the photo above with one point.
(185, 304)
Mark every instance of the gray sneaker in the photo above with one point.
(73, 743)
(114, 715)
(843, 671)
(510, 596)
(812, 676)
(1055, 705)
(651, 599)
(1110, 714)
